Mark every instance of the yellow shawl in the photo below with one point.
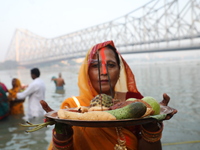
(13, 92)
(15, 108)
(87, 138)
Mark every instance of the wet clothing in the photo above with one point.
(59, 88)
(16, 106)
(36, 92)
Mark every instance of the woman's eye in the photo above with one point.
(94, 65)
(111, 65)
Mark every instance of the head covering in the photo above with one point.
(126, 80)
(12, 93)
(17, 82)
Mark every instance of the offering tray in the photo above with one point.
(111, 123)
(12, 103)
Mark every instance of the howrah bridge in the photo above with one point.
(158, 26)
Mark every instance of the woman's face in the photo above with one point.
(113, 71)
(14, 81)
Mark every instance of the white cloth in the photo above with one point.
(36, 92)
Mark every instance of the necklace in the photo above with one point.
(121, 140)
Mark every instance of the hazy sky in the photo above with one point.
(53, 18)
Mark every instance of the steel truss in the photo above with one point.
(158, 25)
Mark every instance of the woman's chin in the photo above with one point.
(106, 91)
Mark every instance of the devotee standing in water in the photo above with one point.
(16, 105)
(36, 92)
(59, 82)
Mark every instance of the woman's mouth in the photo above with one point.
(104, 81)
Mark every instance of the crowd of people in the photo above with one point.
(103, 71)
(12, 100)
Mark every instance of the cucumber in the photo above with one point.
(133, 110)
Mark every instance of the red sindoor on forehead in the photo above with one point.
(103, 60)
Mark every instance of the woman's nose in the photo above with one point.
(103, 69)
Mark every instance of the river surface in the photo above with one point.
(179, 79)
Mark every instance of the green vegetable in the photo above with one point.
(133, 110)
(159, 117)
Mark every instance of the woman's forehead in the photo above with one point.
(104, 54)
(107, 52)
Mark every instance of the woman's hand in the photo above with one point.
(165, 108)
(45, 106)
(62, 131)
(23, 87)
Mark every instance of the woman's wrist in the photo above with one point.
(61, 128)
(62, 144)
(62, 141)
(152, 132)
(62, 136)
(153, 126)
(62, 131)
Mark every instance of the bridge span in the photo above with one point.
(158, 26)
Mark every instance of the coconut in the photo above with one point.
(101, 100)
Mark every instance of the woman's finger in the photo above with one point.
(45, 106)
(165, 100)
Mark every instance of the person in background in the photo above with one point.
(117, 80)
(36, 92)
(4, 105)
(53, 79)
(16, 105)
(4, 87)
(59, 82)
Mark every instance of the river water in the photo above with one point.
(179, 79)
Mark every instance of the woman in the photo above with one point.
(16, 106)
(114, 68)
(4, 87)
(4, 105)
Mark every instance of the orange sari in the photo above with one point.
(16, 107)
(87, 138)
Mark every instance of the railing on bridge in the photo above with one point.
(159, 25)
